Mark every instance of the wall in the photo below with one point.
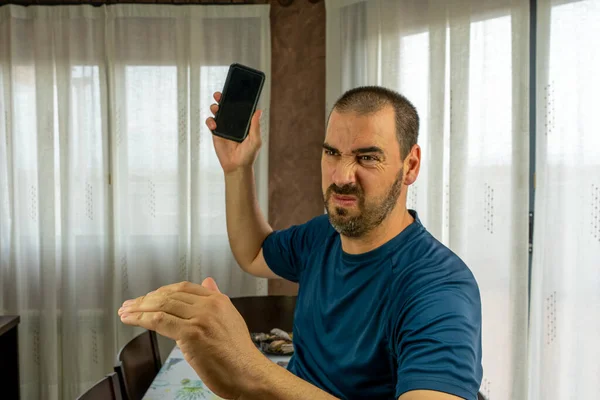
(297, 117)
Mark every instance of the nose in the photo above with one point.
(344, 173)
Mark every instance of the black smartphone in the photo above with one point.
(238, 102)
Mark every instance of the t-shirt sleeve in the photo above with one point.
(285, 251)
(438, 340)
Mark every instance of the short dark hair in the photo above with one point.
(370, 99)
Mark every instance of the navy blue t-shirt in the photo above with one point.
(405, 316)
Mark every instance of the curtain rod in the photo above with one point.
(112, 2)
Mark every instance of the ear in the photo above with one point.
(210, 283)
(412, 165)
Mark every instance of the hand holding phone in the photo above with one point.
(239, 99)
(236, 125)
(231, 154)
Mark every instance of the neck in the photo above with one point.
(398, 220)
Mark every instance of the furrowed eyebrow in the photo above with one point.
(362, 150)
(371, 149)
(330, 148)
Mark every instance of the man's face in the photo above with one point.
(361, 170)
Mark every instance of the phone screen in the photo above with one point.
(237, 106)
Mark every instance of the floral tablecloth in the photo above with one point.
(177, 380)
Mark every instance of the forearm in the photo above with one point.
(270, 381)
(247, 228)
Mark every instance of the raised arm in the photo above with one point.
(247, 228)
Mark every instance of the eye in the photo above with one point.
(329, 152)
(368, 159)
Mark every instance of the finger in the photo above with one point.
(186, 287)
(185, 297)
(163, 302)
(210, 283)
(255, 125)
(180, 296)
(217, 96)
(132, 301)
(214, 108)
(211, 124)
(162, 323)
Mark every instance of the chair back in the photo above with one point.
(108, 388)
(263, 313)
(138, 363)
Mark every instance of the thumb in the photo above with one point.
(210, 283)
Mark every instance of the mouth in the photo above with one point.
(344, 200)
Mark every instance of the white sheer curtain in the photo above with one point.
(109, 185)
(565, 309)
(465, 65)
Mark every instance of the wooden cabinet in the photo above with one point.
(9, 357)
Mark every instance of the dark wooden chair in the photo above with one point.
(138, 363)
(108, 388)
(263, 313)
(480, 396)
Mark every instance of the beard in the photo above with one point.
(370, 214)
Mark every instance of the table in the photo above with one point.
(9, 357)
(177, 380)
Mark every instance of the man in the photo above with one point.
(384, 310)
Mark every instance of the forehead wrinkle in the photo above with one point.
(348, 131)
